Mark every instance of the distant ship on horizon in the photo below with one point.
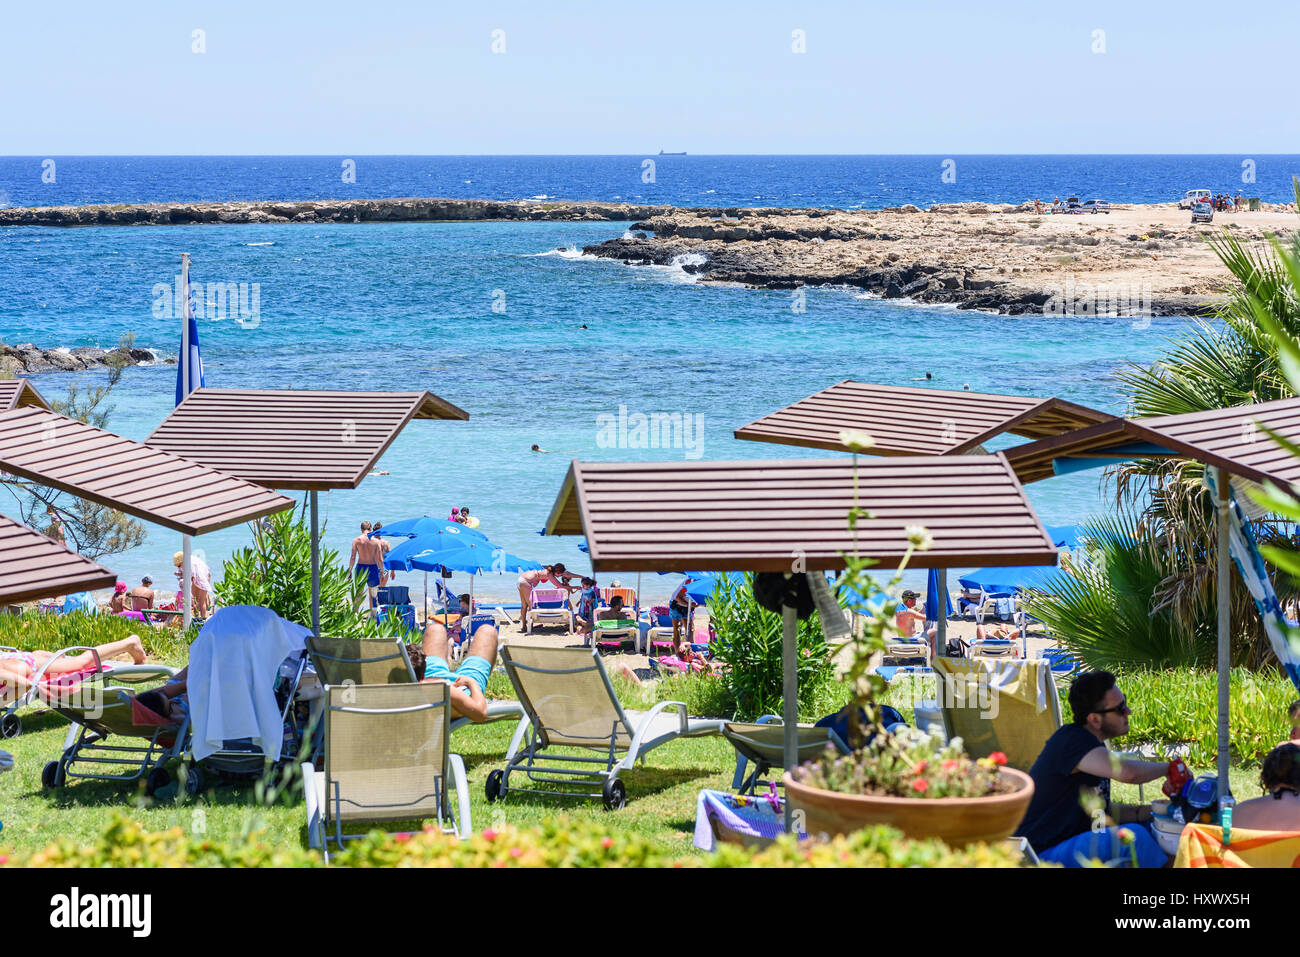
(665, 153)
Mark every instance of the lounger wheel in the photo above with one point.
(10, 726)
(614, 794)
(496, 785)
(193, 780)
(52, 775)
(158, 778)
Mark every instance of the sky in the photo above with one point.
(433, 78)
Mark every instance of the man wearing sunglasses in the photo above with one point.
(1070, 818)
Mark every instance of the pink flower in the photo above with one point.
(516, 852)
(4, 859)
(489, 835)
(949, 765)
(402, 838)
(920, 785)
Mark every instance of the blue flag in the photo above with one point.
(189, 365)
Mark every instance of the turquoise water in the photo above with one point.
(410, 306)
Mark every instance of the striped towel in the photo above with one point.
(1201, 845)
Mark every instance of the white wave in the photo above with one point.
(675, 270)
(259, 244)
(568, 252)
(627, 234)
(540, 196)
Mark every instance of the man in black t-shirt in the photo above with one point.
(1075, 769)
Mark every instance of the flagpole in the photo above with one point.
(187, 541)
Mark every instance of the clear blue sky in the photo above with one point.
(356, 78)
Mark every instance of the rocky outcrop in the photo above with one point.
(1139, 261)
(26, 359)
(325, 211)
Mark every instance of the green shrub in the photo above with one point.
(32, 631)
(275, 572)
(1181, 708)
(748, 644)
(552, 844)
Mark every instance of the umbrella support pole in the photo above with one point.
(315, 565)
(790, 693)
(187, 580)
(1223, 570)
(941, 615)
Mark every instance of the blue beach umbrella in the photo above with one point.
(417, 527)
(932, 599)
(473, 559)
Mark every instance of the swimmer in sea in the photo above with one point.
(538, 448)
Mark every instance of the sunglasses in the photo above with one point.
(1121, 708)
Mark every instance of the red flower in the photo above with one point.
(950, 765)
(998, 757)
(489, 835)
(607, 843)
(921, 766)
(402, 838)
(4, 859)
(920, 785)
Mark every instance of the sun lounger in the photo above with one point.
(993, 648)
(610, 634)
(386, 759)
(627, 594)
(992, 705)
(908, 651)
(762, 744)
(570, 706)
(660, 635)
(112, 737)
(549, 606)
(360, 661)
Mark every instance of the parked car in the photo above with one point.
(1202, 213)
(1097, 206)
(1194, 196)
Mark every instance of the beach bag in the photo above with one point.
(1005, 608)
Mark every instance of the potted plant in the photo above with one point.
(908, 779)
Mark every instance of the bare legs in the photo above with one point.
(525, 602)
(436, 644)
(131, 646)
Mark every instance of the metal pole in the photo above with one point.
(941, 615)
(1224, 570)
(315, 566)
(187, 581)
(790, 691)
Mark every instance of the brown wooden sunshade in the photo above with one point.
(19, 392)
(34, 566)
(766, 515)
(157, 486)
(908, 421)
(294, 439)
(1228, 438)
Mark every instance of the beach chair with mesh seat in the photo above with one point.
(360, 661)
(609, 634)
(386, 758)
(575, 731)
(907, 651)
(548, 606)
(1010, 706)
(660, 636)
(762, 744)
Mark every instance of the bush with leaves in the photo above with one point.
(275, 572)
(554, 843)
(748, 644)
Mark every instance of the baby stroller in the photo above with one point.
(249, 672)
(112, 736)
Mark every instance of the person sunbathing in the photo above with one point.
(1279, 808)
(20, 667)
(469, 681)
(999, 631)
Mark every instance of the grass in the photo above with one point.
(661, 794)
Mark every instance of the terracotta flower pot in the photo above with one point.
(957, 821)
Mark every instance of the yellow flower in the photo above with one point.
(856, 440)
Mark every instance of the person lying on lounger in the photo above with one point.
(1001, 632)
(469, 681)
(172, 700)
(18, 668)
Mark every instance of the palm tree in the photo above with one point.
(1233, 359)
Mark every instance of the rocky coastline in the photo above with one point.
(407, 209)
(28, 359)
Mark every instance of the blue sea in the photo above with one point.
(490, 316)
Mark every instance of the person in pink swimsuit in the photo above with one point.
(531, 579)
(18, 668)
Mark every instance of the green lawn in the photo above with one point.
(661, 795)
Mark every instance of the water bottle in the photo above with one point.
(1225, 817)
